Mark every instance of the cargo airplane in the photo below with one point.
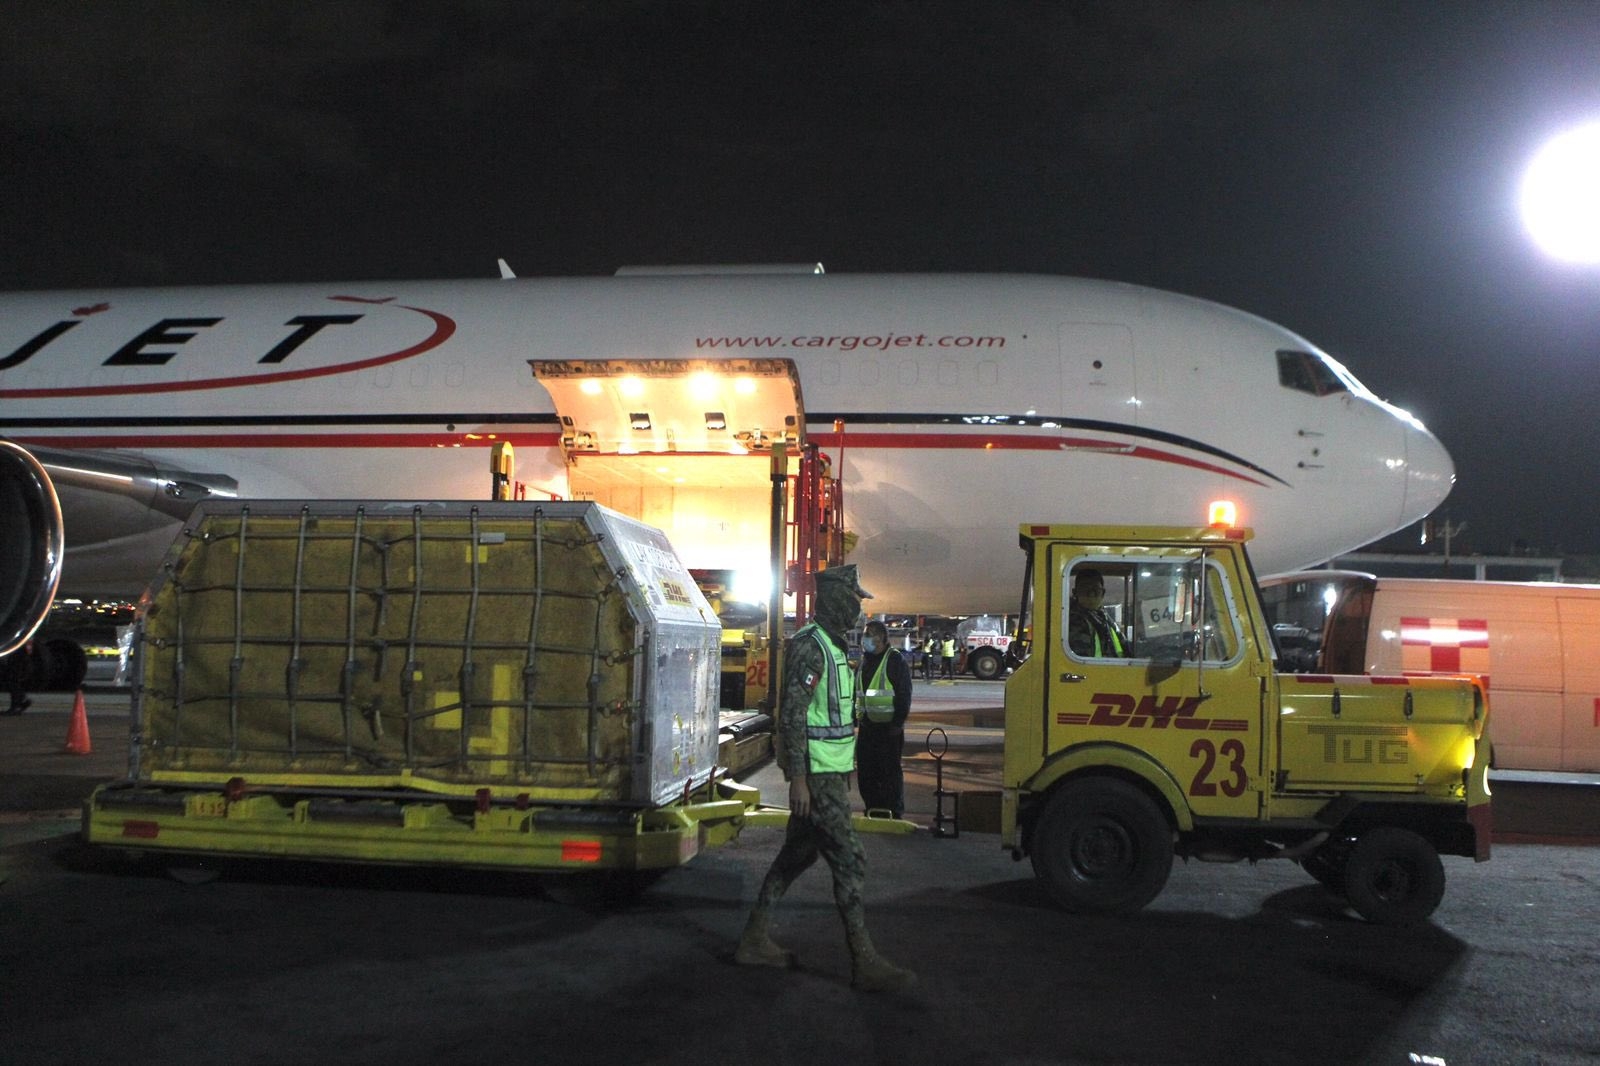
(955, 407)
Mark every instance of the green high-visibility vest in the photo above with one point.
(1116, 640)
(831, 715)
(877, 701)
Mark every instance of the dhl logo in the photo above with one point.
(1175, 712)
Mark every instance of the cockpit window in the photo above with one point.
(1306, 372)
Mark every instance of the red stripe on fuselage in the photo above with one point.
(1018, 442)
(305, 440)
(480, 438)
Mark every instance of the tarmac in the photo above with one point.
(953, 747)
(267, 962)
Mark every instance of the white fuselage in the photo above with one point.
(970, 404)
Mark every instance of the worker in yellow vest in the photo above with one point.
(816, 751)
(886, 701)
(947, 656)
(1090, 633)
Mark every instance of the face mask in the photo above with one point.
(869, 645)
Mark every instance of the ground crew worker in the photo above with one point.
(816, 723)
(1089, 632)
(886, 699)
(17, 669)
(930, 652)
(947, 656)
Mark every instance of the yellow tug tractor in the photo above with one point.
(1186, 741)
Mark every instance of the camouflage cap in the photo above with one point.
(844, 576)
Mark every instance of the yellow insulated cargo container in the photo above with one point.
(552, 652)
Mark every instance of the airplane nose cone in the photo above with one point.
(1430, 474)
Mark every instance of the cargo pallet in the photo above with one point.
(498, 684)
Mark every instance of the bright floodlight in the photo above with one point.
(750, 585)
(1561, 196)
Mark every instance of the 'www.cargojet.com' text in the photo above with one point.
(850, 342)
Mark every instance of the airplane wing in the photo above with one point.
(169, 490)
(61, 504)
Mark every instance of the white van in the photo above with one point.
(1536, 643)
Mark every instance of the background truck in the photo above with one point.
(506, 684)
(985, 646)
(1194, 745)
(1536, 645)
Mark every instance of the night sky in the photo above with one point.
(1348, 170)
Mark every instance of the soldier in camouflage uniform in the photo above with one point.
(816, 753)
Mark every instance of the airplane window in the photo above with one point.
(1304, 372)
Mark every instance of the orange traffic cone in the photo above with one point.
(78, 728)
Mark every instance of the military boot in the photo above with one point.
(871, 972)
(756, 947)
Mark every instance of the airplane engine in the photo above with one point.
(32, 543)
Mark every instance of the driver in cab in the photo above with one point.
(1090, 633)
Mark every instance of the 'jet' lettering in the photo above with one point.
(21, 355)
(164, 332)
(141, 350)
(309, 325)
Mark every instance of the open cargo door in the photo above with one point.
(687, 446)
(684, 445)
(694, 447)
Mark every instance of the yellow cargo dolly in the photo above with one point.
(417, 825)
